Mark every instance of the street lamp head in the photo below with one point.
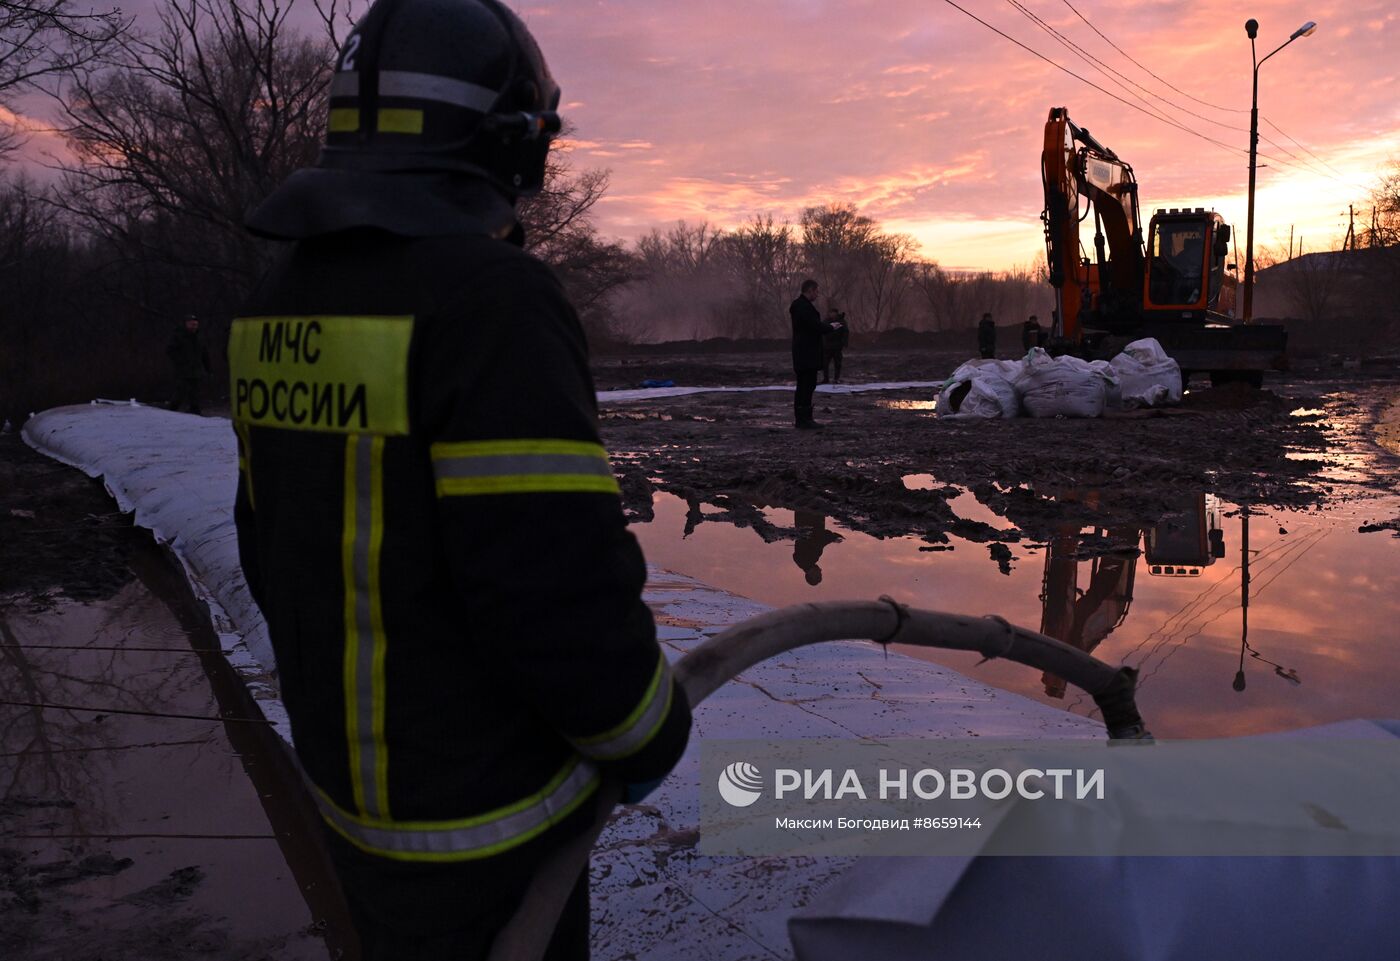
(1304, 31)
(1251, 27)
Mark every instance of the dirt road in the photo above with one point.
(887, 466)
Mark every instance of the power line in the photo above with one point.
(1085, 80)
(1166, 83)
(1304, 148)
(1112, 74)
(1206, 103)
(1120, 79)
(1108, 93)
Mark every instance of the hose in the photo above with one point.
(724, 656)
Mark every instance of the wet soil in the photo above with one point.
(886, 465)
(146, 810)
(60, 534)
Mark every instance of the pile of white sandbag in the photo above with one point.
(981, 388)
(1147, 377)
(1039, 385)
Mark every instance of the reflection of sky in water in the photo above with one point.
(928, 405)
(1323, 603)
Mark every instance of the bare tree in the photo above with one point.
(942, 294)
(885, 276)
(32, 274)
(339, 15)
(178, 135)
(1384, 230)
(559, 230)
(682, 287)
(765, 262)
(833, 237)
(41, 40)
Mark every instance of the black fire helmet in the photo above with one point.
(424, 91)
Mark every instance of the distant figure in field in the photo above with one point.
(987, 336)
(1030, 333)
(807, 330)
(189, 363)
(833, 344)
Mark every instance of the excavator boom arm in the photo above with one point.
(1107, 285)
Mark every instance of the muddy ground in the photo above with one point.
(1285, 445)
(69, 891)
(1305, 439)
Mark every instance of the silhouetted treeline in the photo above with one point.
(176, 131)
(696, 282)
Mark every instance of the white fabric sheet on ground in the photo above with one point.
(654, 896)
(651, 393)
(1125, 908)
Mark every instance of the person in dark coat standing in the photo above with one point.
(1030, 333)
(833, 344)
(987, 336)
(189, 362)
(807, 330)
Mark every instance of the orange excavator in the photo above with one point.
(1170, 284)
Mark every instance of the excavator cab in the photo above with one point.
(1186, 252)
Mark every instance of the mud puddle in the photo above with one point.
(146, 811)
(1316, 643)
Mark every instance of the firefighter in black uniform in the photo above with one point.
(425, 514)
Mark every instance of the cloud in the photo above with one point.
(932, 122)
(924, 117)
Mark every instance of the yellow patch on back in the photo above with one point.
(345, 375)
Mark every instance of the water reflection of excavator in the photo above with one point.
(1187, 540)
(1182, 543)
(1170, 285)
(1083, 619)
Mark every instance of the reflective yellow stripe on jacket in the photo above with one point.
(470, 838)
(522, 467)
(639, 727)
(362, 536)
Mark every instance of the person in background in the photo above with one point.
(987, 336)
(833, 343)
(1030, 333)
(807, 330)
(189, 363)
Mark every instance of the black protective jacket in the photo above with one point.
(434, 535)
(807, 330)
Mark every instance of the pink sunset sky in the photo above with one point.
(932, 124)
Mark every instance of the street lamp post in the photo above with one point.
(1251, 27)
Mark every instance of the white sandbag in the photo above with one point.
(989, 392)
(1147, 377)
(1062, 386)
(990, 396)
